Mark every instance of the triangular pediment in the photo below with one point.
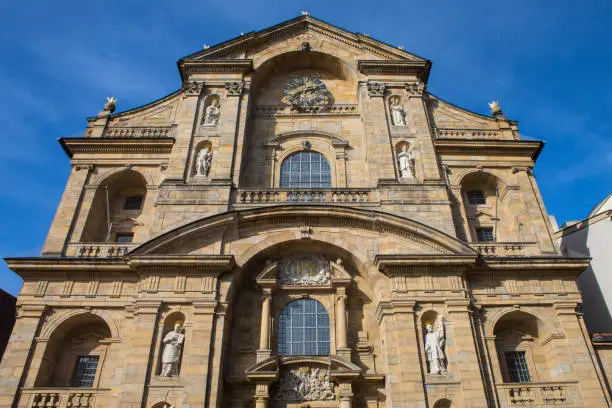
(304, 28)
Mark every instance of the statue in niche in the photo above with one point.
(173, 343)
(211, 114)
(405, 160)
(203, 161)
(398, 115)
(434, 348)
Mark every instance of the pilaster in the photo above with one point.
(17, 358)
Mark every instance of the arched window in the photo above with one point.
(305, 169)
(303, 329)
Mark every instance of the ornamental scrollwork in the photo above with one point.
(376, 89)
(304, 270)
(305, 384)
(193, 88)
(234, 88)
(415, 88)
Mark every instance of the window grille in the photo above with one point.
(517, 366)
(476, 197)
(305, 169)
(303, 329)
(124, 237)
(485, 235)
(85, 371)
(133, 202)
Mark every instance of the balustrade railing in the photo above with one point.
(451, 133)
(99, 250)
(505, 248)
(307, 196)
(60, 398)
(139, 131)
(536, 394)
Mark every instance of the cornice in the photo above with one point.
(218, 262)
(401, 67)
(74, 146)
(215, 66)
(383, 262)
(527, 148)
(557, 263)
(59, 265)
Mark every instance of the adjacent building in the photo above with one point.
(301, 224)
(7, 318)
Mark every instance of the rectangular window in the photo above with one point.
(476, 197)
(133, 202)
(517, 366)
(85, 371)
(485, 234)
(124, 237)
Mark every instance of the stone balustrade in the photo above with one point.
(506, 248)
(276, 110)
(307, 196)
(543, 394)
(99, 250)
(59, 398)
(139, 131)
(450, 133)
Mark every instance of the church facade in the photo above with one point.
(302, 224)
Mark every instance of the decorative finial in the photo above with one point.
(241, 33)
(304, 12)
(400, 47)
(495, 108)
(206, 46)
(110, 104)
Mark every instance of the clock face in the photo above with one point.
(306, 92)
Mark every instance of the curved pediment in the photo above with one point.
(247, 232)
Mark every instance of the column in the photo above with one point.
(18, 352)
(346, 395)
(261, 395)
(264, 335)
(342, 349)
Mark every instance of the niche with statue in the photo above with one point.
(211, 110)
(203, 159)
(406, 162)
(171, 345)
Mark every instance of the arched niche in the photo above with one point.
(522, 354)
(443, 403)
(126, 191)
(246, 297)
(167, 326)
(201, 146)
(270, 78)
(481, 194)
(80, 336)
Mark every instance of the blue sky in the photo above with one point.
(548, 62)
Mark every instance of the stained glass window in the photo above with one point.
(85, 372)
(517, 366)
(306, 169)
(303, 329)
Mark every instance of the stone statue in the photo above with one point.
(495, 108)
(405, 160)
(398, 115)
(203, 162)
(434, 348)
(211, 115)
(172, 351)
(111, 104)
